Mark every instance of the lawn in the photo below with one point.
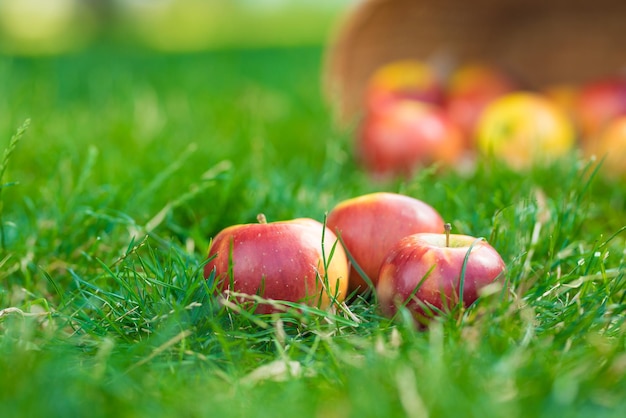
(118, 168)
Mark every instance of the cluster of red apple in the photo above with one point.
(414, 118)
(395, 244)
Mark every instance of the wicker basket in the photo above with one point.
(539, 41)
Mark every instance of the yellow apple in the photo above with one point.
(525, 129)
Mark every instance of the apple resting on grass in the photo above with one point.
(371, 224)
(430, 272)
(396, 140)
(280, 261)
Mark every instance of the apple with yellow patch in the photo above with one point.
(524, 129)
(286, 261)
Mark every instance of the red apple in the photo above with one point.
(408, 79)
(371, 224)
(429, 272)
(398, 139)
(609, 146)
(279, 261)
(524, 129)
(598, 103)
(470, 89)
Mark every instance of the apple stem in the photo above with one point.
(447, 227)
(261, 218)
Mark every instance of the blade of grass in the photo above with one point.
(6, 157)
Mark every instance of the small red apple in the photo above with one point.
(279, 261)
(609, 146)
(400, 138)
(429, 272)
(598, 102)
(408, 79)
(470, 89)
(371, 224)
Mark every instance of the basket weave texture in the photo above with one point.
(539, 41)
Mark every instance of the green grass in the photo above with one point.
(133, 161)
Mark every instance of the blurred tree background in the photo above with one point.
(33, 27)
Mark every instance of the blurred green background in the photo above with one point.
(56, 26)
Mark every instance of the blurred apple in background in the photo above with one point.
(371, 224)
(523, 129)
(428, 271)
(279, 261)
(609, 147)
(470, 88)
(598, 103)
(397, 139)
(403, 80)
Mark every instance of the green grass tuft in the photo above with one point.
(4, 164)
